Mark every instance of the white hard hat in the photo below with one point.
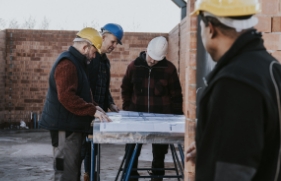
(157, 48)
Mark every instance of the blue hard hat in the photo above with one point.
(114, 29)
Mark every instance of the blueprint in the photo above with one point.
(128, 121)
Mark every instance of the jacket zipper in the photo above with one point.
(148, 87)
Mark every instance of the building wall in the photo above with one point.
(270, 25)
(2, 72)
(28, 55)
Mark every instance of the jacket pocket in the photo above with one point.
(161, 88)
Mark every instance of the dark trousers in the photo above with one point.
(158, 151)
(66, 150)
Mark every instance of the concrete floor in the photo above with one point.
(26, 155)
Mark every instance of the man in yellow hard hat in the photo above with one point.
(69, 107)
(238, 127)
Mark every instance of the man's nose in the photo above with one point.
(114, 45)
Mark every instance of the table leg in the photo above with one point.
(98, 163)
(181, 154)
(129, 169)
(121, 166)
(93, 162)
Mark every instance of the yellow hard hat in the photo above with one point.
(92, 35)
(228, 8)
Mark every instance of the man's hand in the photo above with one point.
(114, 108)
(102, 117)
(100, 109)
(191, 153)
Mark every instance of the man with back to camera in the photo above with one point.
(99, 79)
(238, 127)
(69, 108)
(151, 84)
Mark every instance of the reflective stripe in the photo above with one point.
(233, 172)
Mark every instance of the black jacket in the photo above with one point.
(153, 89)
(238, 136)
(93, 69)
(55, 116)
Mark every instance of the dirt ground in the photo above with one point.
(26, 155)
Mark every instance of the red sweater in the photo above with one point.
(67, 83)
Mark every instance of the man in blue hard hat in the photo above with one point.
(99, 79)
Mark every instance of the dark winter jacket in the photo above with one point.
(153, 89)
(69, 104)
(93, 69)
(238, 136)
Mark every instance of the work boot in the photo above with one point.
(86, 177)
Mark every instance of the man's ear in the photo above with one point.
(103, 37)
(85, 48)
(213, 31)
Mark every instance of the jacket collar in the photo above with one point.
(141, 62)
(248, 41)
(82, 59)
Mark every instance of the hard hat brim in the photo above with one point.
(195, 13)
(99, 51)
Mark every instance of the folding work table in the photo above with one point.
(137, 127)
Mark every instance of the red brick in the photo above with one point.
(276, 24)
(277, 55)
(272, 41)
(264, 24)
(270, 7)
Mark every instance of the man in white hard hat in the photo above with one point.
(151, 84)
(238, 127)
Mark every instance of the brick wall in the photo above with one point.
(182, 47)
(270, 25)
(121, 57)
(29, 57)
(2, 72)
(174, 44)
(30, 54)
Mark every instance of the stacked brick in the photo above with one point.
(26, 57)
(270, 25)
